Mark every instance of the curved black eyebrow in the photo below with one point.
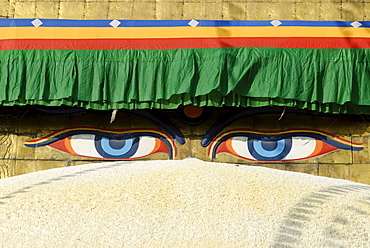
(157, 118)
(71, 133)
(161, 121)
(216, 128)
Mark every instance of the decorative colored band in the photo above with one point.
(184, 43)
(177, 32)
(20, 34)
(172, 23)
(279, 146)
(101, 143)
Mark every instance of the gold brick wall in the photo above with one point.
(16, 158)
(335, 10)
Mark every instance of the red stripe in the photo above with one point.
(185, 43)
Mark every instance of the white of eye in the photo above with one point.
(84, 145)
(302, 147)
(240, 146)
(146, 146)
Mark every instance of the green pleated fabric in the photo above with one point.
(324, 80)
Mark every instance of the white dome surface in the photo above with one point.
(187, 203)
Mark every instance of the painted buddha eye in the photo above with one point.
(108, 144)
(288, 145)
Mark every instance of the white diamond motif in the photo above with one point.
(36, 23)
(276, 23)
(356, 24)
(115, 23)
(193, 23)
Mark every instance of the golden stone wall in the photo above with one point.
(24, 125)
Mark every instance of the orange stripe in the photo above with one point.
(177, 32)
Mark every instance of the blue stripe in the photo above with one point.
(210, 23)
(365, 24)
(174, 23)
(92, 23)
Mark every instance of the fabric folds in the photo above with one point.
(324, 80)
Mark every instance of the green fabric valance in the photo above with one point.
(325, 80)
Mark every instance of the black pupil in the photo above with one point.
(269, 145)
(117, 143)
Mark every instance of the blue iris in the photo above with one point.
(269, 149)
(116, 147)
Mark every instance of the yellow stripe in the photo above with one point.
(177, 32)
